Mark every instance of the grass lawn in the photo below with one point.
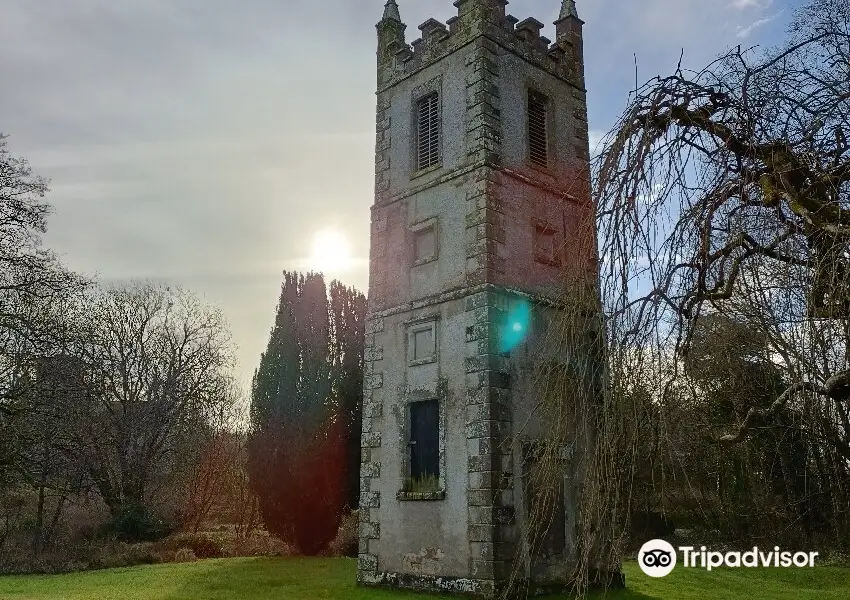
(317, 579)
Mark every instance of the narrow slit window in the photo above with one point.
(428, 132)
(538, 140)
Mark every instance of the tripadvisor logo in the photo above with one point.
(658, 558)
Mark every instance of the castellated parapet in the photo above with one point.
(399, 59)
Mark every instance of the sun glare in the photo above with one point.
(331, 252)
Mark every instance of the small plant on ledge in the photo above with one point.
(422, 485)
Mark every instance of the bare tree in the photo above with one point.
(216, 480)
(114, 388)
(33, 290)
(32, 286)
(728, 190)
(157, 366)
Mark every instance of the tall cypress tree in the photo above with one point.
(305, 411)
(348, 322)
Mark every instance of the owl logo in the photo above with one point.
(657, 558)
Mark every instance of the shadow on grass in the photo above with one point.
(303, 579)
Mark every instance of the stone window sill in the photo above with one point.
(426, 171)
(423, 361)
(547, 170)
(424, 261)
(546, 260)
(421, 496)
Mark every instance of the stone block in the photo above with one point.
(370, 469)
(482, 533)
(485, 497)
(487, 429)
(370, 531)
(367, 562)
(374, 381)
(374, 353)
(488, 379)
(483, 480)
(370, 499)
(376, 325)
(491, 515)
(480, 463)
(363, 546)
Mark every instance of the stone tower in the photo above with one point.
(481, 210)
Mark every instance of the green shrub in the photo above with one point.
(258, 543)
(202, 545)
(138, 523)
(184, 555)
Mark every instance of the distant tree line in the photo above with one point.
(120, 418)
(114, 399)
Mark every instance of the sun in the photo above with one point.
(331, 252)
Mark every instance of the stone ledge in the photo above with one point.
(461, 292)
(421, 496)
(479, 587)
(427, 583)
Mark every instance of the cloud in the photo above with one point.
(206, 141)
(744, 32)
(746, 4)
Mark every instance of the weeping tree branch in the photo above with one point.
(836, 388)
(713, 175)
(724, 194)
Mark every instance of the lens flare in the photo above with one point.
(516, 326)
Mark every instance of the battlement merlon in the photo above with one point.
(398, 59)
(432, 28)
(529, 30)
(481, 10)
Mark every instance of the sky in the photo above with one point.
(213, 144)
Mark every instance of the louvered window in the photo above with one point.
(428, 132)
(538, 146)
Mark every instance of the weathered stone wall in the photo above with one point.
(424, 537)
(484, 198)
